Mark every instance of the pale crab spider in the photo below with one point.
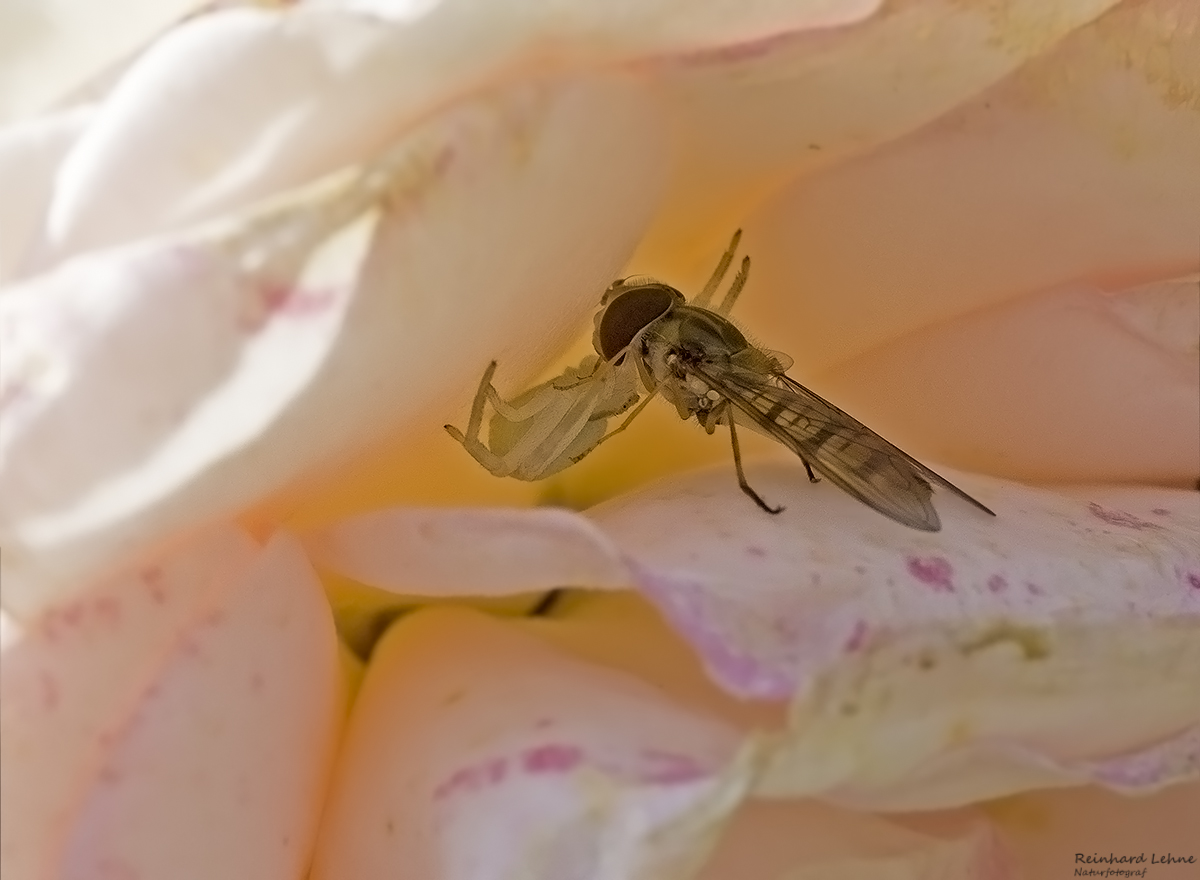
(554, 425)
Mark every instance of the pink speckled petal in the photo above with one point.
(476, 750)
(243, 103)
(1076, 384)
(924, 670)
(172, 381)
(900, 649)
(1078, 167)
(215, 673)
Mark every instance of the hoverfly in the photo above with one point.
(649, 338)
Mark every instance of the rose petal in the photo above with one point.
(214, 674)
(1079, 167)
(925, 670)
(753, 117)
(30, 153)
(1053, 832)
(1069, 385)
(810, 841)
(468, 552)
(52, 49)
(477, 751)
(276, 369)
(241, 104)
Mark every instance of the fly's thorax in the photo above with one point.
(684, 338)
(628, 307)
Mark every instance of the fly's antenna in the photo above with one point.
(739, 281)
(704, 296)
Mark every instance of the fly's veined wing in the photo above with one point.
(841, 448)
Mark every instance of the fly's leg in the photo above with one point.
(739, 281)
(812, 478)
(714, 282)
(625, 424)
(741, 475)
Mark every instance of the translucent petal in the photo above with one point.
(1075, 384)
(1080, 167)
(215, 675)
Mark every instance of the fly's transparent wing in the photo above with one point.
(841, 448)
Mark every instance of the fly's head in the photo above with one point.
(628, 307)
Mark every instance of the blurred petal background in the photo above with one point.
(262, 618)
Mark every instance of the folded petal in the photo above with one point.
(162, 384)
(215, 674)
(752, 117)
(923, 670)
(1080, 167)
(240, 104)
(475, 750)
(1071, 385)
(30, 153)
(806, 840)
(51, 50)
(1056, 832)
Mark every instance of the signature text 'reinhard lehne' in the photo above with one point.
(1140, 858)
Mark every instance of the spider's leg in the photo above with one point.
(625, 424)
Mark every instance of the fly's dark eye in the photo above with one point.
(629, 313)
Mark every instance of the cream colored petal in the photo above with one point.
(152, 387)
(806, 840)
(1079, 167)
(749, 119)
(214, 675)
(1054, 832)
(1075, 384)
(241, 104)
(477, 751)
(30, 153)
(468, 551)
(50, 49)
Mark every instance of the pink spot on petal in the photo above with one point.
(1120, 518)
(934, 571)
(756, 551)
(108, 608)
(670, 768)
(49, 686)
(858, 636)
(473, 778)
(1161, 511)
(1034, 589)
(997, 584)
(551, 759)
(1194, 580)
